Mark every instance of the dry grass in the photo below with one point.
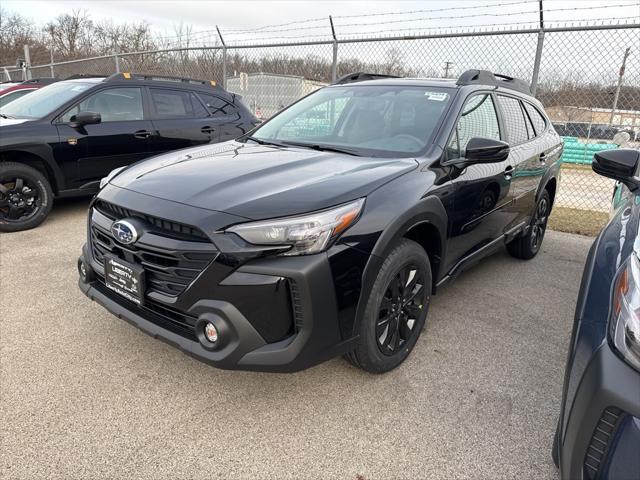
(574, 220)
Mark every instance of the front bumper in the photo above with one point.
(315, 336)
(603, 429)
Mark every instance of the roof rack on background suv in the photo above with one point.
(116, 77)
(485, 77)
(361, 77)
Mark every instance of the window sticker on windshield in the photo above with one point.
(437, 96)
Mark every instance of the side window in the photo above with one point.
(478, 119)
(176, 104)
(113, 104)
(514, 119)
(216, 106)
(539, 123)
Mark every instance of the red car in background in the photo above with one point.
(11, 91)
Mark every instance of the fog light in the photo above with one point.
(211, 332)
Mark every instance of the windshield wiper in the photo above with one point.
(264, 142)
(4, 115)
(324, 148)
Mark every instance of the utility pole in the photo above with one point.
(620, 76)
(447, 67)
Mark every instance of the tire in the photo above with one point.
(390, 328)
(26, 197)
(555, 449)
(527, 246)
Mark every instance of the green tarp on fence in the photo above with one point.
(581, 153)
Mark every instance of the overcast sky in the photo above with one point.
(164, 15)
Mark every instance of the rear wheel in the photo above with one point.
(396, 310)
(25, 197)
(528, 246)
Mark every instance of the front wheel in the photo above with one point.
(396, 310)
(25, 197)
(528, 246)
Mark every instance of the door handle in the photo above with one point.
(207, 129)
(142, 134)
(508, 172)
(543, 157)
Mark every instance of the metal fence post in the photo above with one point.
(27, 64)
(536, 62)
(334, 62)
(224, 59)
(116, 59)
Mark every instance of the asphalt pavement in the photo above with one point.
(84, 395)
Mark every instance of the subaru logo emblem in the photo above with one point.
(124, 232)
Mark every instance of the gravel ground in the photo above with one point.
(85, 395)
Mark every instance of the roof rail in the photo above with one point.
(485, 77)
(160, 78)
(83, 75)
(40, 80)
(360, 77)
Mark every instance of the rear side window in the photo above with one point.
(176, 104)
(539, 123)
(217, 106)
(514, 119)
(478, 119)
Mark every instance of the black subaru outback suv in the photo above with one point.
(62, 139)
(326, 230)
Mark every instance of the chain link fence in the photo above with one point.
(588, 78)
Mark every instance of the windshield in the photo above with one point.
(368, 120)
(44, 100)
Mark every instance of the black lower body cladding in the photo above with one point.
(271, 313)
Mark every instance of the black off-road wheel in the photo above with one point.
(396, 310)
(26, 197)
(528, 246)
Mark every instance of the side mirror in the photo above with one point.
(81, 119)
(621, 164)
(486, 150)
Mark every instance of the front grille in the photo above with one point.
(168, 272)
(600, 440)
(159, 225)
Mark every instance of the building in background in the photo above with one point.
(267, 93)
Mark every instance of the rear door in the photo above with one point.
(524, 156)
(226, 117)
(123, 136)
(180, 120)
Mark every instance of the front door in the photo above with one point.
(122, 137)
(482, 192)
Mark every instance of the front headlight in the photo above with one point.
(111, 174)
(625, 321)
(305, 234)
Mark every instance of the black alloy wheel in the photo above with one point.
(400, 309)
(528, 245)
(25, 197)
(539, 222)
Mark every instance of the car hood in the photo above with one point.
(260, 181)
(6, 122)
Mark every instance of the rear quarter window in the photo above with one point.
(538, 120)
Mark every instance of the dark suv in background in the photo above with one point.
(598, 433)
(328, 228)
(62, 139)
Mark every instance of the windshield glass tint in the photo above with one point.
(45, 100)
(372, 120)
